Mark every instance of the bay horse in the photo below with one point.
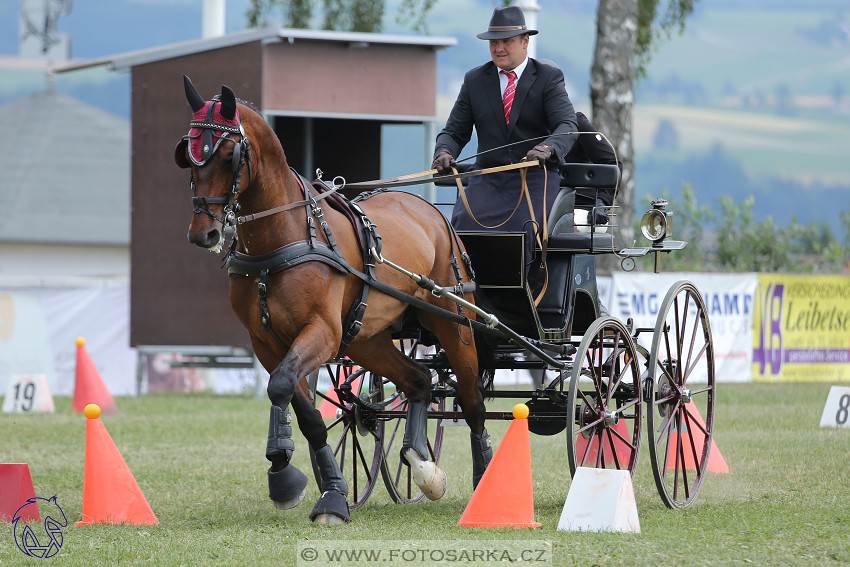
(299, 278)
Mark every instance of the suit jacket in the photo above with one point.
(541, 107)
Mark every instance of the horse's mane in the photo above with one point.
(250, 105)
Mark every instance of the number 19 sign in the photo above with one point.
(28, 394)
(836, 412)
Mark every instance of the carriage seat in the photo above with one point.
(561, 226)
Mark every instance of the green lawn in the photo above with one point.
(200, 461)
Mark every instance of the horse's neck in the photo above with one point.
(275, 187)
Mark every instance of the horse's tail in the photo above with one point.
(485, 350)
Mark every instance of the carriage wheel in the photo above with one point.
(397, 477)
(604, 403)
(680, 397)
(353, 434)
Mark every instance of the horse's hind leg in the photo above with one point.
(381, 357)
(463, 353)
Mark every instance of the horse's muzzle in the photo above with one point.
(205, 239)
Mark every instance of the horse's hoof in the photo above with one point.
(328, 519)
(332, 508)
(292, 503)
(287, 487)
(430, 478)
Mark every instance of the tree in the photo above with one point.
(627, 32)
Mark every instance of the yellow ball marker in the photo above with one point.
(520, 411)
(92, 411)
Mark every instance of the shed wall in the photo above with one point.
(178, 292)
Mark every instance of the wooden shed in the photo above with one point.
(330, 96)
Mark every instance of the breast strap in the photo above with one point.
(240, 264)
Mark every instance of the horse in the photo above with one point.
(299, 278)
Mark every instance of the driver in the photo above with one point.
(512, 98)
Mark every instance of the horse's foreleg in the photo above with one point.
(332, 507)
(286, 483)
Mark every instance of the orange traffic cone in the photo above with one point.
(110, 493)
(330, 401)
(622, 450)
(504, 496)
(89, 387)
(716, 462)
(17, 489)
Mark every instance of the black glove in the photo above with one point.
(540, 152)
(443, 162)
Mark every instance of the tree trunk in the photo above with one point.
(612, 98)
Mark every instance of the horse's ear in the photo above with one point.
(196, 101)
(228, 102)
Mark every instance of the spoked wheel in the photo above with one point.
(680, 397)
(604, 404)
(397, 477)
(354, 434)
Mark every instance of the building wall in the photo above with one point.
(322, 77)
(178, 291)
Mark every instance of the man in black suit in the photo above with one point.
(534, 128)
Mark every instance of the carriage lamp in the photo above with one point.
(657, 222)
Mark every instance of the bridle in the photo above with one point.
(210, 144)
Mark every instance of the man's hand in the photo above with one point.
(443, 162)
(540, 152)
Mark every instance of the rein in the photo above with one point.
(295, 204)
(339, 183)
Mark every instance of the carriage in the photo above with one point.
(594, 379)
(607, 386)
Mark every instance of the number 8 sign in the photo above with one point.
(836, 412)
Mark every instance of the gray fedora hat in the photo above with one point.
(506, 23)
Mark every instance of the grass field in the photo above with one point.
(200, 461)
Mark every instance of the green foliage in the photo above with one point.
(747, 246)
(346, 15)
(735, 242)
(414, 13)
(290, 13)
(653, 28)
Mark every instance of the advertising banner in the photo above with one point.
(801, 329)
(728, 301)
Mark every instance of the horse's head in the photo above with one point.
(216, 149)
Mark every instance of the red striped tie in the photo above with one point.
(508, 98)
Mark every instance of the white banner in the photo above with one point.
(729, 302)
(40, 325)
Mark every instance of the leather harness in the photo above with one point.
(240, 264)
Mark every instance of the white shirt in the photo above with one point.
(503, 78)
